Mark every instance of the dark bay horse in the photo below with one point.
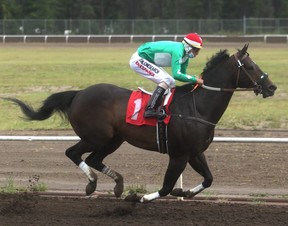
(97, 115)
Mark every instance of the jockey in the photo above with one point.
(150, 57)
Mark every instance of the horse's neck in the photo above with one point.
(206, 104)
(211, 105)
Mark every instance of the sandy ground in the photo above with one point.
(239, 169)
(243, 168)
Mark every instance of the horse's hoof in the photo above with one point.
(91, 187)
(178, 192)
(132, 198)
(189, 194)
(119, 187)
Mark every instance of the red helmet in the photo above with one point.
(193, 39)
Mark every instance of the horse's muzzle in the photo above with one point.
(269, 91)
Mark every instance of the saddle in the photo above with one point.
(137, 103)
(135, 114)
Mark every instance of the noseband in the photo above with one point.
(257, 84)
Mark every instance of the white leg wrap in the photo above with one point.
(106, 170)
(86, 169)
(150, 197)
(197, 189)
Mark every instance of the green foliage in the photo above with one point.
(140, 9)
(136, 189)
(10, 187)
(34, 186)
(33, 72)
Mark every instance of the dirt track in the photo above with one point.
(239, 169)
(33, 210)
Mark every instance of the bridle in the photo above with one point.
(257, 84)
(257, 89)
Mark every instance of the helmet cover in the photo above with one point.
(194, 40)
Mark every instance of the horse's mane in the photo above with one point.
(215, 60)
(211, 63)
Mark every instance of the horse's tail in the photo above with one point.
(57, 102)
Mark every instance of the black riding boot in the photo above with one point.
(154, 103)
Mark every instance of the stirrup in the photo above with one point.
(151, 113)
(161, 115)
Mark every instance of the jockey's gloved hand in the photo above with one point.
(200, 81)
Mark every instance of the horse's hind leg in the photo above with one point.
(75, 153)
(95, 160)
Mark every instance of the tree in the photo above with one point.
(141, 9)
(9, 9)
(280, 8)
(40, 9)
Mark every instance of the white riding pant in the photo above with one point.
(151, 71)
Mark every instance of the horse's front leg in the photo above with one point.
(199, 164)
(175, 167)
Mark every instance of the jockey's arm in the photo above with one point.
(179, 71)
(185, 78)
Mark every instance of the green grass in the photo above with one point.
(32, 72)
(34, 186)
(136, 189)
(10, 187)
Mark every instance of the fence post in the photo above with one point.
(244, 25)
(179, 184)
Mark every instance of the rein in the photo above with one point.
(195, 118)
(257, 87)
(226, 89)
(188, 117)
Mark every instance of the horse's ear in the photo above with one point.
(244, 50)
(246, 46)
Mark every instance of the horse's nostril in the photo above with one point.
(272, 88)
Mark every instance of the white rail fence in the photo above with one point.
(92, 39)
(216, 139)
